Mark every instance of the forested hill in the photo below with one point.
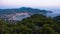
(36, 24)
(57, 19)
(23, 9)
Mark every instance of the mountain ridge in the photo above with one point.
(23, 9)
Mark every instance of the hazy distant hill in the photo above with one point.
(23, 9)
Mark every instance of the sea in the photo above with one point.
(56, 13)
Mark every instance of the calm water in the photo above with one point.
(55, 13)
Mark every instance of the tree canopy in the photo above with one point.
(36, 24)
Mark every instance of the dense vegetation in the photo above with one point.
(57, 18)
(36, 24)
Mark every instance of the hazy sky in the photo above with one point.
(29, 3)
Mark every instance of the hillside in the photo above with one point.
(23, 9)
(57, 19)
(36, 24)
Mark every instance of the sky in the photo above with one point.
(29, 3)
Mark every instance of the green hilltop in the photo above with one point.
(36, 24)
